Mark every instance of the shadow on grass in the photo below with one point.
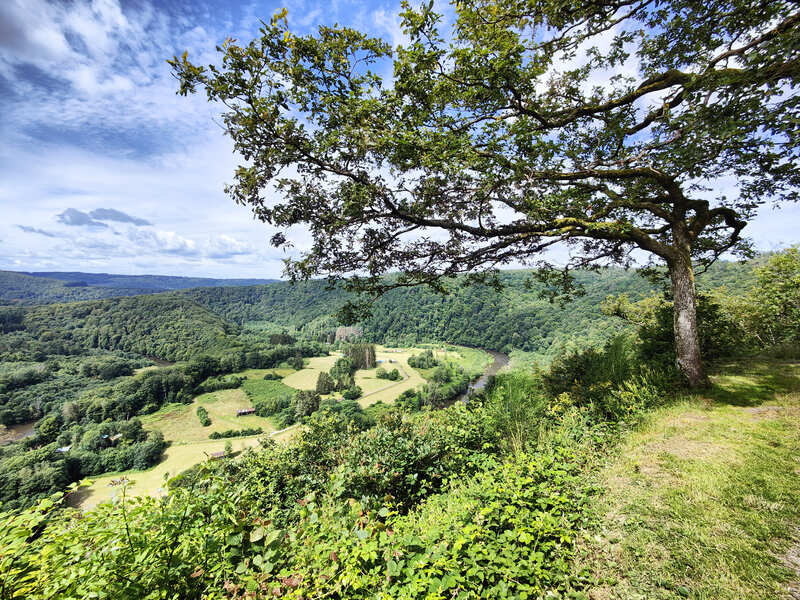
(754, 381)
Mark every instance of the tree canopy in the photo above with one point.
(610, 126)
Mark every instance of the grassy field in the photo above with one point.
(177, 458)
(703, 501)
(375, 389)
(306, 378)
(189, 439)
(190, 443)
(179, 422)
(258, 390)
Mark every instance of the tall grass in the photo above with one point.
(516, 406)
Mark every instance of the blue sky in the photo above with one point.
(104, 168)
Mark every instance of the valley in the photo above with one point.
(187, 438)
(269, 432)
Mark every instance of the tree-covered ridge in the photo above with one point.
(154, 283)
(21, 288)
(474, 315)
(164, 326)
(48, 287)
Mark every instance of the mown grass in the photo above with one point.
(306, 378)
(703, 500)
(177, 458)
(258, 390)
(374, 389)
(179, 422)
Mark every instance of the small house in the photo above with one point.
(217, 455)
(64, 449)
(245, 411)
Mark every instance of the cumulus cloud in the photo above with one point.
(225, 246)
(110, 214)
(76, 218)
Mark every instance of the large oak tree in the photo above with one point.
(611, 126)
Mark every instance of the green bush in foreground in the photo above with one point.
(454, 503)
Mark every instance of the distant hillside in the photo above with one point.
(475, 315)
(163, 326)
(48, 287)
(20, 288)
(147, 282)
(515, 318)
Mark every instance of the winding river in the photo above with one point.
(500, 361)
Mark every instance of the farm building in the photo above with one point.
(245, 411)
(216, 455)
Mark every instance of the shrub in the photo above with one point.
(516, 406)
(590, 373)
(231, 433)
(266, 407)
(202, 414)
(272, 377)
(352, 393)
(222, 382)
(361, 355)
(424, 360)
(392, 375)
(305, 402)
(325, 383)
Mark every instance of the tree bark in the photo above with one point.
(687, 340)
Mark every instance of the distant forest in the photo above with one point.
(49, 287)
(516, 318)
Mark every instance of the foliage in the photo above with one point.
(424, 360)
(493, 139)
(231, 433)
(325, 383)
(769, 315)
(202, 414)
(471, 315)
(220, 382)
(352, 393)
(393, 375)
(361, 356)
(30, 473)
(304, 403)
(516, 405)
(350, 410)
(445, 382)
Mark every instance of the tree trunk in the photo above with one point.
(687, 341)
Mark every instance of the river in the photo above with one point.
(15, 433)
(500, 361)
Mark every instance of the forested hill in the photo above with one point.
(181, 323)
(163, 326)
(45, 288)
(474, 315)
(19, 288)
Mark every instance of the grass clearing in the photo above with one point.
(258, 390)
(190, 444)
(177, 458)
(374, 389)
(179, 422)
(703, 500)
(306, 378)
